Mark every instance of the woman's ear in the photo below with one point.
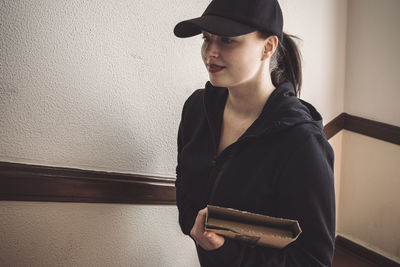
(270, 45)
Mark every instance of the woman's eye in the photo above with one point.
(227, 40)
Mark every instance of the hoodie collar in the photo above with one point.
(281, 110)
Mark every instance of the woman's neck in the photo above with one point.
(247, 101)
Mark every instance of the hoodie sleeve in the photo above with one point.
(305, 193)
(187, 212)
(187, 216)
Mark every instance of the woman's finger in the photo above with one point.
(213, 240)
(206, 239)
(198, 227)
(202, 218)
(213, 237)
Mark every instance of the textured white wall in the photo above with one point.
(94, 84)
(373, 61)
(101, 235)
(100, 85)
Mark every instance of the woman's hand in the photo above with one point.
(206, 239)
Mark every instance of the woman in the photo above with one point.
(246, 141)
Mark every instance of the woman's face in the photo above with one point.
(241, 58)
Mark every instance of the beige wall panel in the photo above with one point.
(369, 193)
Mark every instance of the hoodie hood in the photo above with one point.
(282, 110)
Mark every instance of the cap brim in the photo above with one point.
(212, 24)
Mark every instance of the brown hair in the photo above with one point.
(285, 64)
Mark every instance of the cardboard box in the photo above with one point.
(255, 229)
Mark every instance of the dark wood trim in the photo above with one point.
(334, 126)
(375, 129)
(43, 183)
(364, 254)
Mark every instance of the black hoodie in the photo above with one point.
(282, 166)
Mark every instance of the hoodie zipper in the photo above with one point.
(217, 170)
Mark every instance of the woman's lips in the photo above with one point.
(214, 68)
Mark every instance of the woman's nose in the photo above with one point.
(211, 49)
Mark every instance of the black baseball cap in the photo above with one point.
(235, 17)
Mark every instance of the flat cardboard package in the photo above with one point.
(255, 229)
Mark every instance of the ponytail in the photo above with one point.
(285, 64)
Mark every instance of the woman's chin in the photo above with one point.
(217, 82)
